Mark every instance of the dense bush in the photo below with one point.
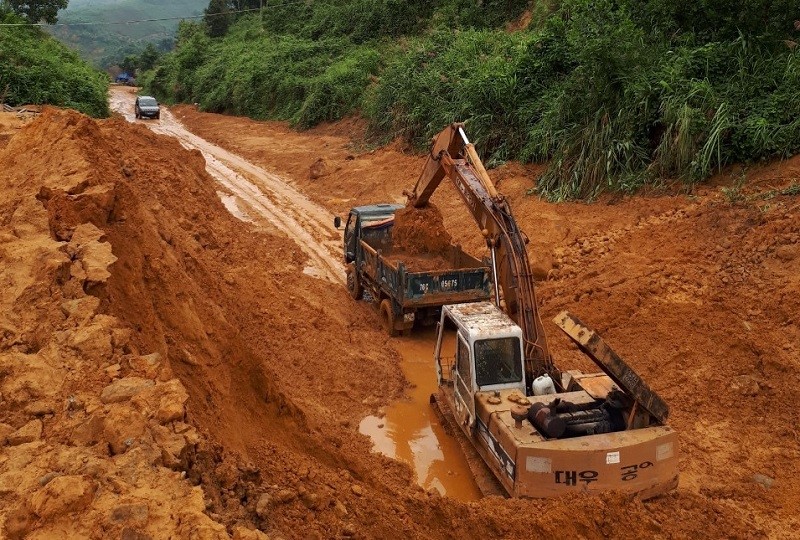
(37, 69)
(265, 75)
(614, 93)
(608, 97)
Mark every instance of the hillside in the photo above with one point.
(613, 94)
(104, 44)
(37, 69)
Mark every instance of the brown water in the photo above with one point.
(411, 431)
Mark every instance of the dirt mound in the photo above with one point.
(420, 231)
(89, 426)
(121, 268)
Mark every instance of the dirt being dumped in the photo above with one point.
(420, 240)
(420, 231)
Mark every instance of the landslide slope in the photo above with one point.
(168, 371)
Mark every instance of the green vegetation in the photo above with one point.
(613, 93)
(263, 75)
(37, 69)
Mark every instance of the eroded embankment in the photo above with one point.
(168, 370)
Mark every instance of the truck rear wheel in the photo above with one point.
(353, 284)
(387, 317)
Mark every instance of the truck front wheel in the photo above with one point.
(353, 284)
(387, 317)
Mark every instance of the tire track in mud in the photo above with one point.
(263, 194)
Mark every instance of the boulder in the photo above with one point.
(93, 342)
(318, 169)
(40, 408)
(263, 505)
(122, 427)
(172, 405)
(89, 432)
(745, 385)
(32, 431)
(131, 514)
(147, 365)
(124, 389)
(173, 446)
(63, 495)
(81, 309)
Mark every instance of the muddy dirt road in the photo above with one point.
(255, 194)
(167, 369)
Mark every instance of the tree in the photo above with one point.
(128, 64)
(36, 11)
(148, 58)
(218, 17)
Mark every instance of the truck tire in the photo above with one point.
(353, 284)
(387, 317)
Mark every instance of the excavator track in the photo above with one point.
(484, 478)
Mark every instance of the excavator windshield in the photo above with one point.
(498, 361)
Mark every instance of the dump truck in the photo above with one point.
(402, 294)
(530, 429)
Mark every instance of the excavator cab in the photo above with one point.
(488, 354)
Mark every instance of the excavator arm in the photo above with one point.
(453, 156)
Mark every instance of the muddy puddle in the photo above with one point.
(410, 431)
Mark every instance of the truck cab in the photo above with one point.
(371, 223)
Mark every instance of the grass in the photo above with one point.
(614, 94)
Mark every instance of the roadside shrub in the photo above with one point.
(613, 93)
(263, 75)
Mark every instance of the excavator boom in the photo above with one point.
(453, 156)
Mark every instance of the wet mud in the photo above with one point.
(410, 430)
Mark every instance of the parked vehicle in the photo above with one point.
(402, 294)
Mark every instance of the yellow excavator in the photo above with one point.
(528, 428)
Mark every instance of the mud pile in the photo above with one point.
(420, 231)
(420, 240)
(90, 425)
(158, 377)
